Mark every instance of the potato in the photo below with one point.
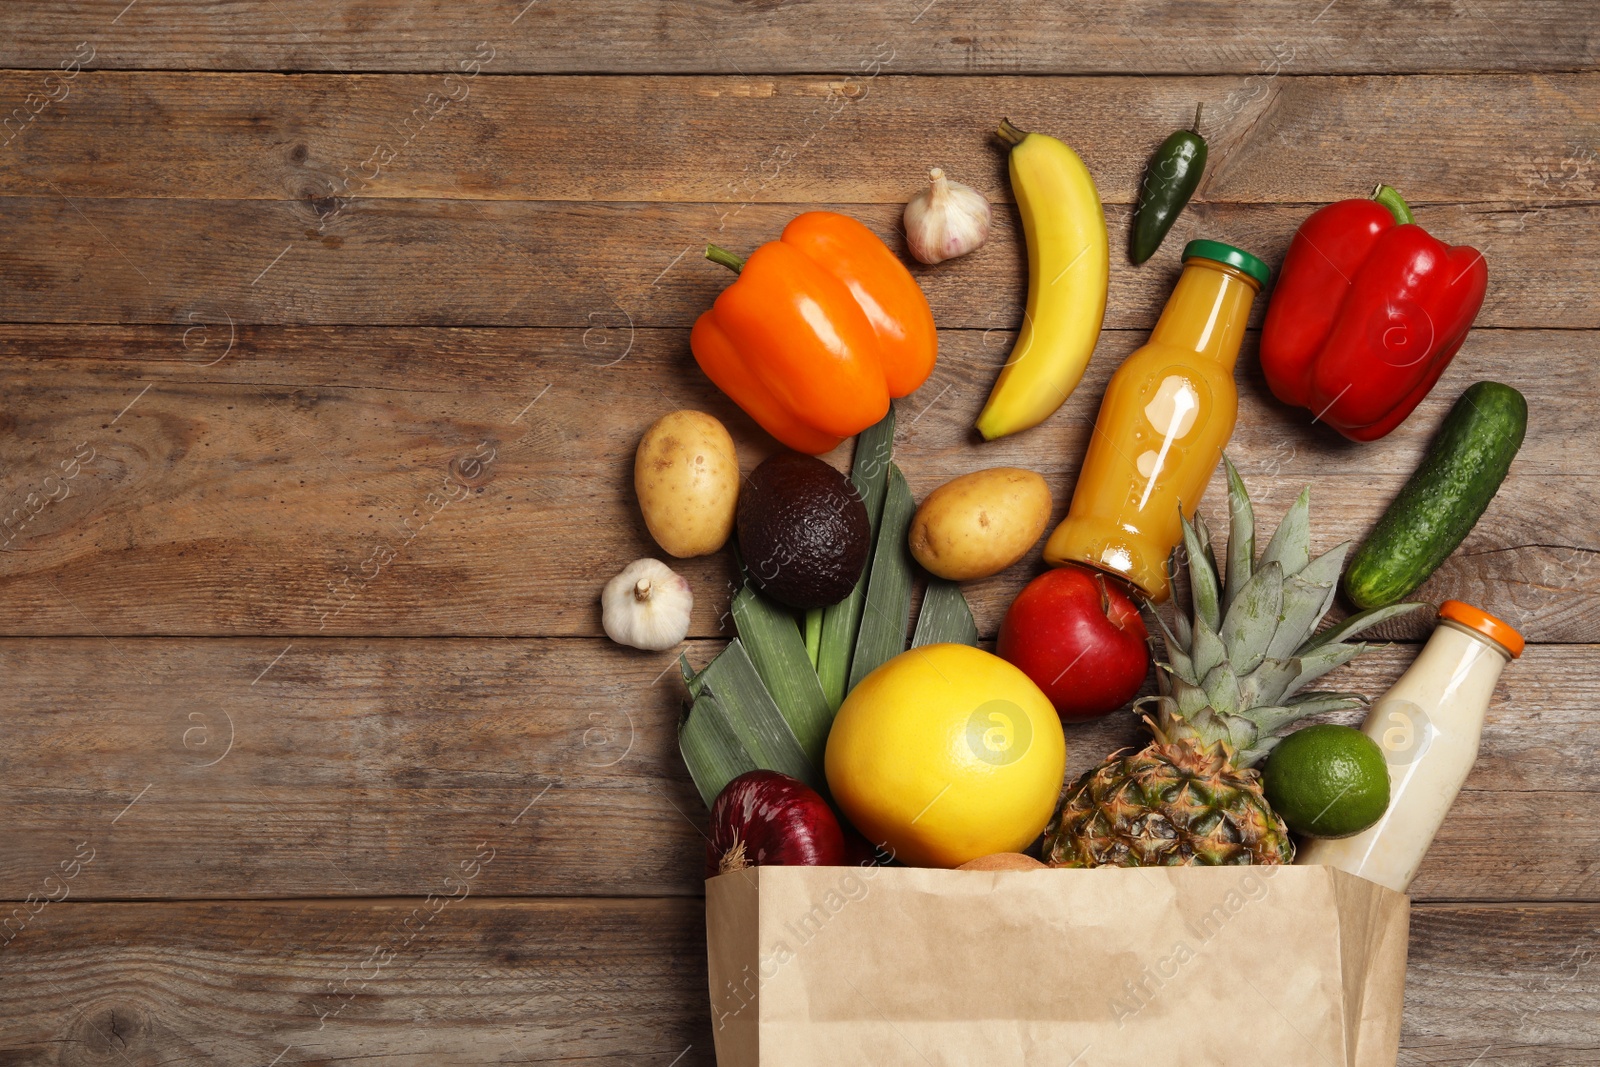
(980, 523)
(687, 476)
(1002, 861)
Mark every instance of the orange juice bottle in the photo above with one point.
(1166, 416)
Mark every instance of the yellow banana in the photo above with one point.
(1069, 265)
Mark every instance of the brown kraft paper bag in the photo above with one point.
(1231, 966)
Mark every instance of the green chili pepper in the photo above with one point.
(1169, 182)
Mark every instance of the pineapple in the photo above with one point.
(1230, 689)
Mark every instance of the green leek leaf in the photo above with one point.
(732, 680)
(710, 748)
(769, 635)
(945, 616)
(887, 617)
(691, 677)
(841, 623)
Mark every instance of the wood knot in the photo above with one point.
(475, 468)
(108, 1033)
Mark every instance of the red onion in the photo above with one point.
(763, 818)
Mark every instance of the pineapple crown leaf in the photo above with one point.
(1173, 669)
(1171, 727)
(1156, 725)
(1206, 650)
(1204, 595)
(1320, 661)
(1276, 726)
(1203, 532)
(1322, 702)
(1242, 733)
(1221, 687)
(1181, 629)
(1356, 624)
(1269, 681)
(1241, 536)
(1253, 619)
(1248, 758)
(1191, 701)
(1291, 541)
(1273, 720)
(1178, 662)
(1238, 658)
(1307, 596)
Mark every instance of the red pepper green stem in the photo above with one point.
(717, 254)
(1389, 198)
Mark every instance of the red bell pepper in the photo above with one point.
(1368, 312)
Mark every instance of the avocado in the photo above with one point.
(803, 531)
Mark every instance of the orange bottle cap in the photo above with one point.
(1472, 618)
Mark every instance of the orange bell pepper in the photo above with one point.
(823, 326)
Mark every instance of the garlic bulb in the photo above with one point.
(946, 220)
(646, 606)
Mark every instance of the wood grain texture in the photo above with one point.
(380, 367)
(325, 481)
(1539, 1016)
(396, 982)
(515, 263)
(324, 768)
(791, 139)
(642, 35)
(492, 982)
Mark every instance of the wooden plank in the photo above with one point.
(332, 769)
(246, 767)
(478, 982)
(328, 481)
(605, 982)
(1528, 983)
(909, 35)
(785, 139)
(498, 263)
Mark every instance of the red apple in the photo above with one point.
(1077, 633)
(763, 818)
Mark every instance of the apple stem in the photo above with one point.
(1105, 599)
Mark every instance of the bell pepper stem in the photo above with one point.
(1389, 198)
(1197, 109)
(1010, 134)
(717, 254)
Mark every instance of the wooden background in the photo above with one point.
(320, 377)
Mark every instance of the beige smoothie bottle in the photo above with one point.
(1428, 727)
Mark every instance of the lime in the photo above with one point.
(1327, 781)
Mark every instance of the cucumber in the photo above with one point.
(1444, 499)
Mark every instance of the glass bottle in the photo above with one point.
(1428, 727)
(1168, 412)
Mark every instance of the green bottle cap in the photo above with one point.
(1236, 258)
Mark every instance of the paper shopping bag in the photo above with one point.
(902, 967)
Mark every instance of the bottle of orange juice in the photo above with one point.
(1166, 416)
